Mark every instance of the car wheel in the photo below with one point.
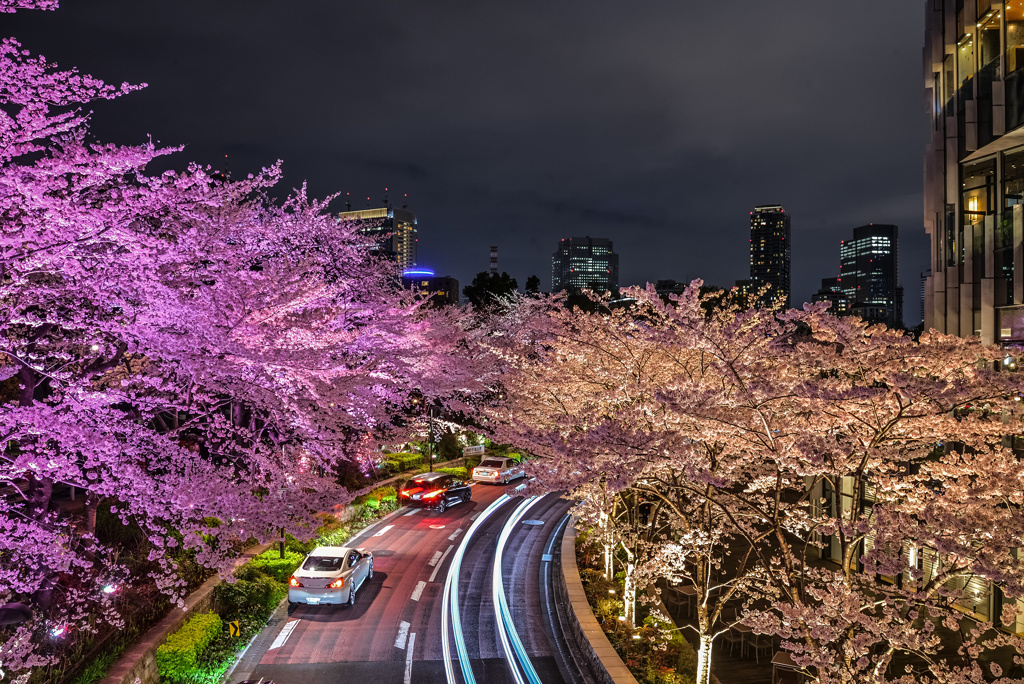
(351, 596)
(369, 575)
(467, 497)
(442, 506)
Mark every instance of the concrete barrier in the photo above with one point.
(605, 663)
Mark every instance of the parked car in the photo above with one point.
(498, 470)
(330, 574)
(434, 490)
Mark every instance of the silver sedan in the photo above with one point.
(330, 574)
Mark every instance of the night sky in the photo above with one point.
(658, 124)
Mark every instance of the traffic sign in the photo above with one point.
(233, 628)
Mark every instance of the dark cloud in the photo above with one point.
(658, 125)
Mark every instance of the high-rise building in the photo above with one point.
(869, 274)
(770, 250)
(390, 231)
(584, 263)
(832, 292)
(974, 169)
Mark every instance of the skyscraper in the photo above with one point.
(770, 250)
(389, 230)
(974, 169)
(869, 274)
(832, 292)
(584, 262)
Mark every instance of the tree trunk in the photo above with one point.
(92, 504)
(704, 659)
(629, 595)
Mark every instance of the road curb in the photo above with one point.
(606, 665)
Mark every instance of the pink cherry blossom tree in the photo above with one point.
(736, 420)
(180, 348)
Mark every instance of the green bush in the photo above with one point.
(251, 592)
(403, 462)
(176, 658)
(271, 564)
(461, 473)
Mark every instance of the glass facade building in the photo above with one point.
(770, 250)
(584, 263)
(974, 168)
(390, 231)
(869, 274)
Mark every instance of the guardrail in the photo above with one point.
(605, 664)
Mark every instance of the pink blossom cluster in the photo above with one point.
(838, 485)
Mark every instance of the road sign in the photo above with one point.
(471, 450)
(233, 628)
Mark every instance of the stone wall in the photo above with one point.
(605, 663)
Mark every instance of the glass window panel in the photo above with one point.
(965, 59)
(1014, 35)
(988, 43)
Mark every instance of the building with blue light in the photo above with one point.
(442, 290)
(869, 274)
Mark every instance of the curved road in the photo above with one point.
(393, 634)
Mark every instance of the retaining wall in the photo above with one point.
(605, 663)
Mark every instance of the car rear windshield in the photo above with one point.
(492, 463)
(323, 563)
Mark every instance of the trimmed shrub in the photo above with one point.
(252, 591)
(271, 564)
(176, 659)
(403, 462)
(462, 473)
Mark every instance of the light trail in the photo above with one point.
(510, 641)
(450, 604)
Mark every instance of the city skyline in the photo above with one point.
(539, 133)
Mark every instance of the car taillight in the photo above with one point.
(337, 584)
(431, 495)
(292, 582)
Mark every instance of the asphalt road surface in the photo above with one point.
(393, 633)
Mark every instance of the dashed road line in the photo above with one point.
(383, 530)
(412, 512)
(418, 591)
(408, 659)
(433, 559)
(403, 634)
(283, 636)
(454, 534)
(440, 562)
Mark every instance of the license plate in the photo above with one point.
(312, 601)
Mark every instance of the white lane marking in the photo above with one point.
(418, 591)
(412, 512)
(403, 634)
(440, 562)
(283, 636)
(474, 516)
(408, 659)
(382, 530)
(454, 534)
(433, 559)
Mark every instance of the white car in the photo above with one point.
(498, 470)
(330, 574)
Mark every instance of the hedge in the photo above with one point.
(271, 564)
(176, 658)
(461, 473)
(403, 462)
(381, 495)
